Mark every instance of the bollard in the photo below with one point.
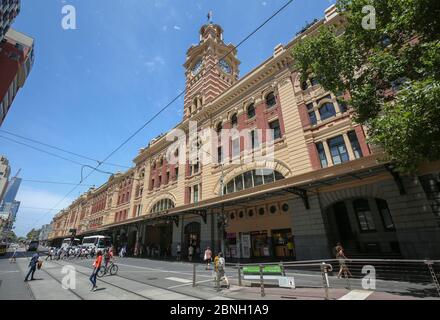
(239, 275)
(194, 275)
(262, 281)
(348, 281)
(217, 281)
(283, 270)
(325, 279)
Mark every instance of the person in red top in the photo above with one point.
(96, 267)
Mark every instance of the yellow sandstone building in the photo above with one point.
(294, 176)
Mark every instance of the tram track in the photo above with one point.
(106, 282)
(135, 280)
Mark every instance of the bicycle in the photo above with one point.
(112, 269)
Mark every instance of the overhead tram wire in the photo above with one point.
(169, 104)
(61, 149)
(54, 155)
(55, 182)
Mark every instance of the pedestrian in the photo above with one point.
(290, 247)
(32, 266)
(96, 267)
(14, 255)
(49, 254)
(178, 251)
(340, 256)
(190, 252)
(221, 265)
(207, 258)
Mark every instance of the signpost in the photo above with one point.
(269, 272)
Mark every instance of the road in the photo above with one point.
(144, 279)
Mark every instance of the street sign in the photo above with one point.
(274, 269)
(286, 282)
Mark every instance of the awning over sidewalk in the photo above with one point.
(300, 186)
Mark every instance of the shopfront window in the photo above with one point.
(282, 242)
(260, 245)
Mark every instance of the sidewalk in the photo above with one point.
(12, 286)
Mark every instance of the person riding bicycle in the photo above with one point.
(108, 256)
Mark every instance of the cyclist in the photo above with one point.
(108, 256)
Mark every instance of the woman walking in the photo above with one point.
(340, 256)
(97, 266)
(207, 258)
(221, 270)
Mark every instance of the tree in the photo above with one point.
(33, 234)
(391, 73)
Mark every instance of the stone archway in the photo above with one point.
(363, 225)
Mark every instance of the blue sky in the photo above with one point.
(92, 87)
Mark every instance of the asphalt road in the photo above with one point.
(145, 279)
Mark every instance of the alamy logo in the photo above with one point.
(369, 21)
(69, 280)
(69, 19)
(369, 280)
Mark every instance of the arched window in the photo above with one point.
(327, 111)
(234, 120)
(162, 205)
(270, 100)
(251, 111)
(251, 179)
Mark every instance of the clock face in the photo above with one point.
(197, 67)
(225, 66)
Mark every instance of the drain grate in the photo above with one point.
(152, 278)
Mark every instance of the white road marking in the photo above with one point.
(356, 295)
(179, 280)
(188, 284)
(161, 270)
(9, 271)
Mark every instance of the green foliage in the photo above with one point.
(385, 71)
(33, 234)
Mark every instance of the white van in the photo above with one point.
(67, 242)
(97, 242)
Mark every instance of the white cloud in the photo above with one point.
(29, 215)
(154, 63)
(177, 28)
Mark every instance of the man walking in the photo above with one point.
(14, 255)
(190, 252)
(32, 267)
(178, 251)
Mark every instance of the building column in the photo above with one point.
(348, 146)
(328, 155)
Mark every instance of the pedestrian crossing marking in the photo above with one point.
(179, 280)
(356, 295)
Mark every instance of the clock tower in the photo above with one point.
(211, 68)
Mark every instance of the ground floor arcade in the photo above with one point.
(371, 210)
